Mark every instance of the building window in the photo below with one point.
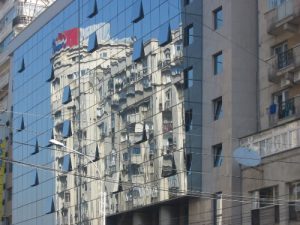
(264, 197)
(218, 208)
(294, 203)
(188, 120)
(187, 2)
(218, 18)
(188, 77)
(218, 108)
(189, 35)
(218, 155)
(218, 63)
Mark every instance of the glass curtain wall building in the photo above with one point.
(119, 81)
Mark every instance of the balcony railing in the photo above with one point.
(275, 140)
(284, 17)
(284, 63)
(286, 109)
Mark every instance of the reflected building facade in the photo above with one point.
(122, 82)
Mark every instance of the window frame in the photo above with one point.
(189, 35)
(217, 22)
(216, 63)
(218, 113)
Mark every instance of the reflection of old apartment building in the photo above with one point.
(15, 15)
(274, 189)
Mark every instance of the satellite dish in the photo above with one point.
(246, 157)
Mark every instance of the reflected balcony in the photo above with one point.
(4, 81)
(167, 126)
(284, 18)
(284, 64)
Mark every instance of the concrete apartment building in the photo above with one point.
(154, 92)
(15, 15)
(273, 190)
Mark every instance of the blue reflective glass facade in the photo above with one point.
(124, 72)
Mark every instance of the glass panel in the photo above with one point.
(67, 97)
(92, 8)
(50, 75)
(137, 11)
(67, 131)
(93, 43)
(218, 17)
(67, 164)
(165, 36)
(218, 63)
(138, 50)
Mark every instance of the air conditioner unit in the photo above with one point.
(297, 77)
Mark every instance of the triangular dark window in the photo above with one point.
(36, 148)
(52, 207)
(93, 42)
(21, 66)
(67, 163)
(50, 136)
(137, 11)
(92, 8)
(97, 155)
(67, 130)
(144, 136)
(22, 124)
(36, 179)
(138, 50)
(50, 75)
(165, 36)
(67, 97)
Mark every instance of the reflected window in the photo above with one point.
(35, 178)
(189, 163)
(188, 77)
(67, 130)
(218, 18)
(188, 120)
(21, 67)
(67, 97)
(218, 155)
(218, 63)
(137, 11)
(93, 43)
(218, 108)
(92, 8)
(36, 148)
(67, 163)
(188, 35)
(138, 50)
(165, 36)
(50, 206)
(21, 125)
(136, 150)
(97, 155)
(50, 75)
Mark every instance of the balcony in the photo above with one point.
(276, 140)
(294, 211)
(284, 18)
(285, 63)
(281, 112)
(21, 20)
(4, 81)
